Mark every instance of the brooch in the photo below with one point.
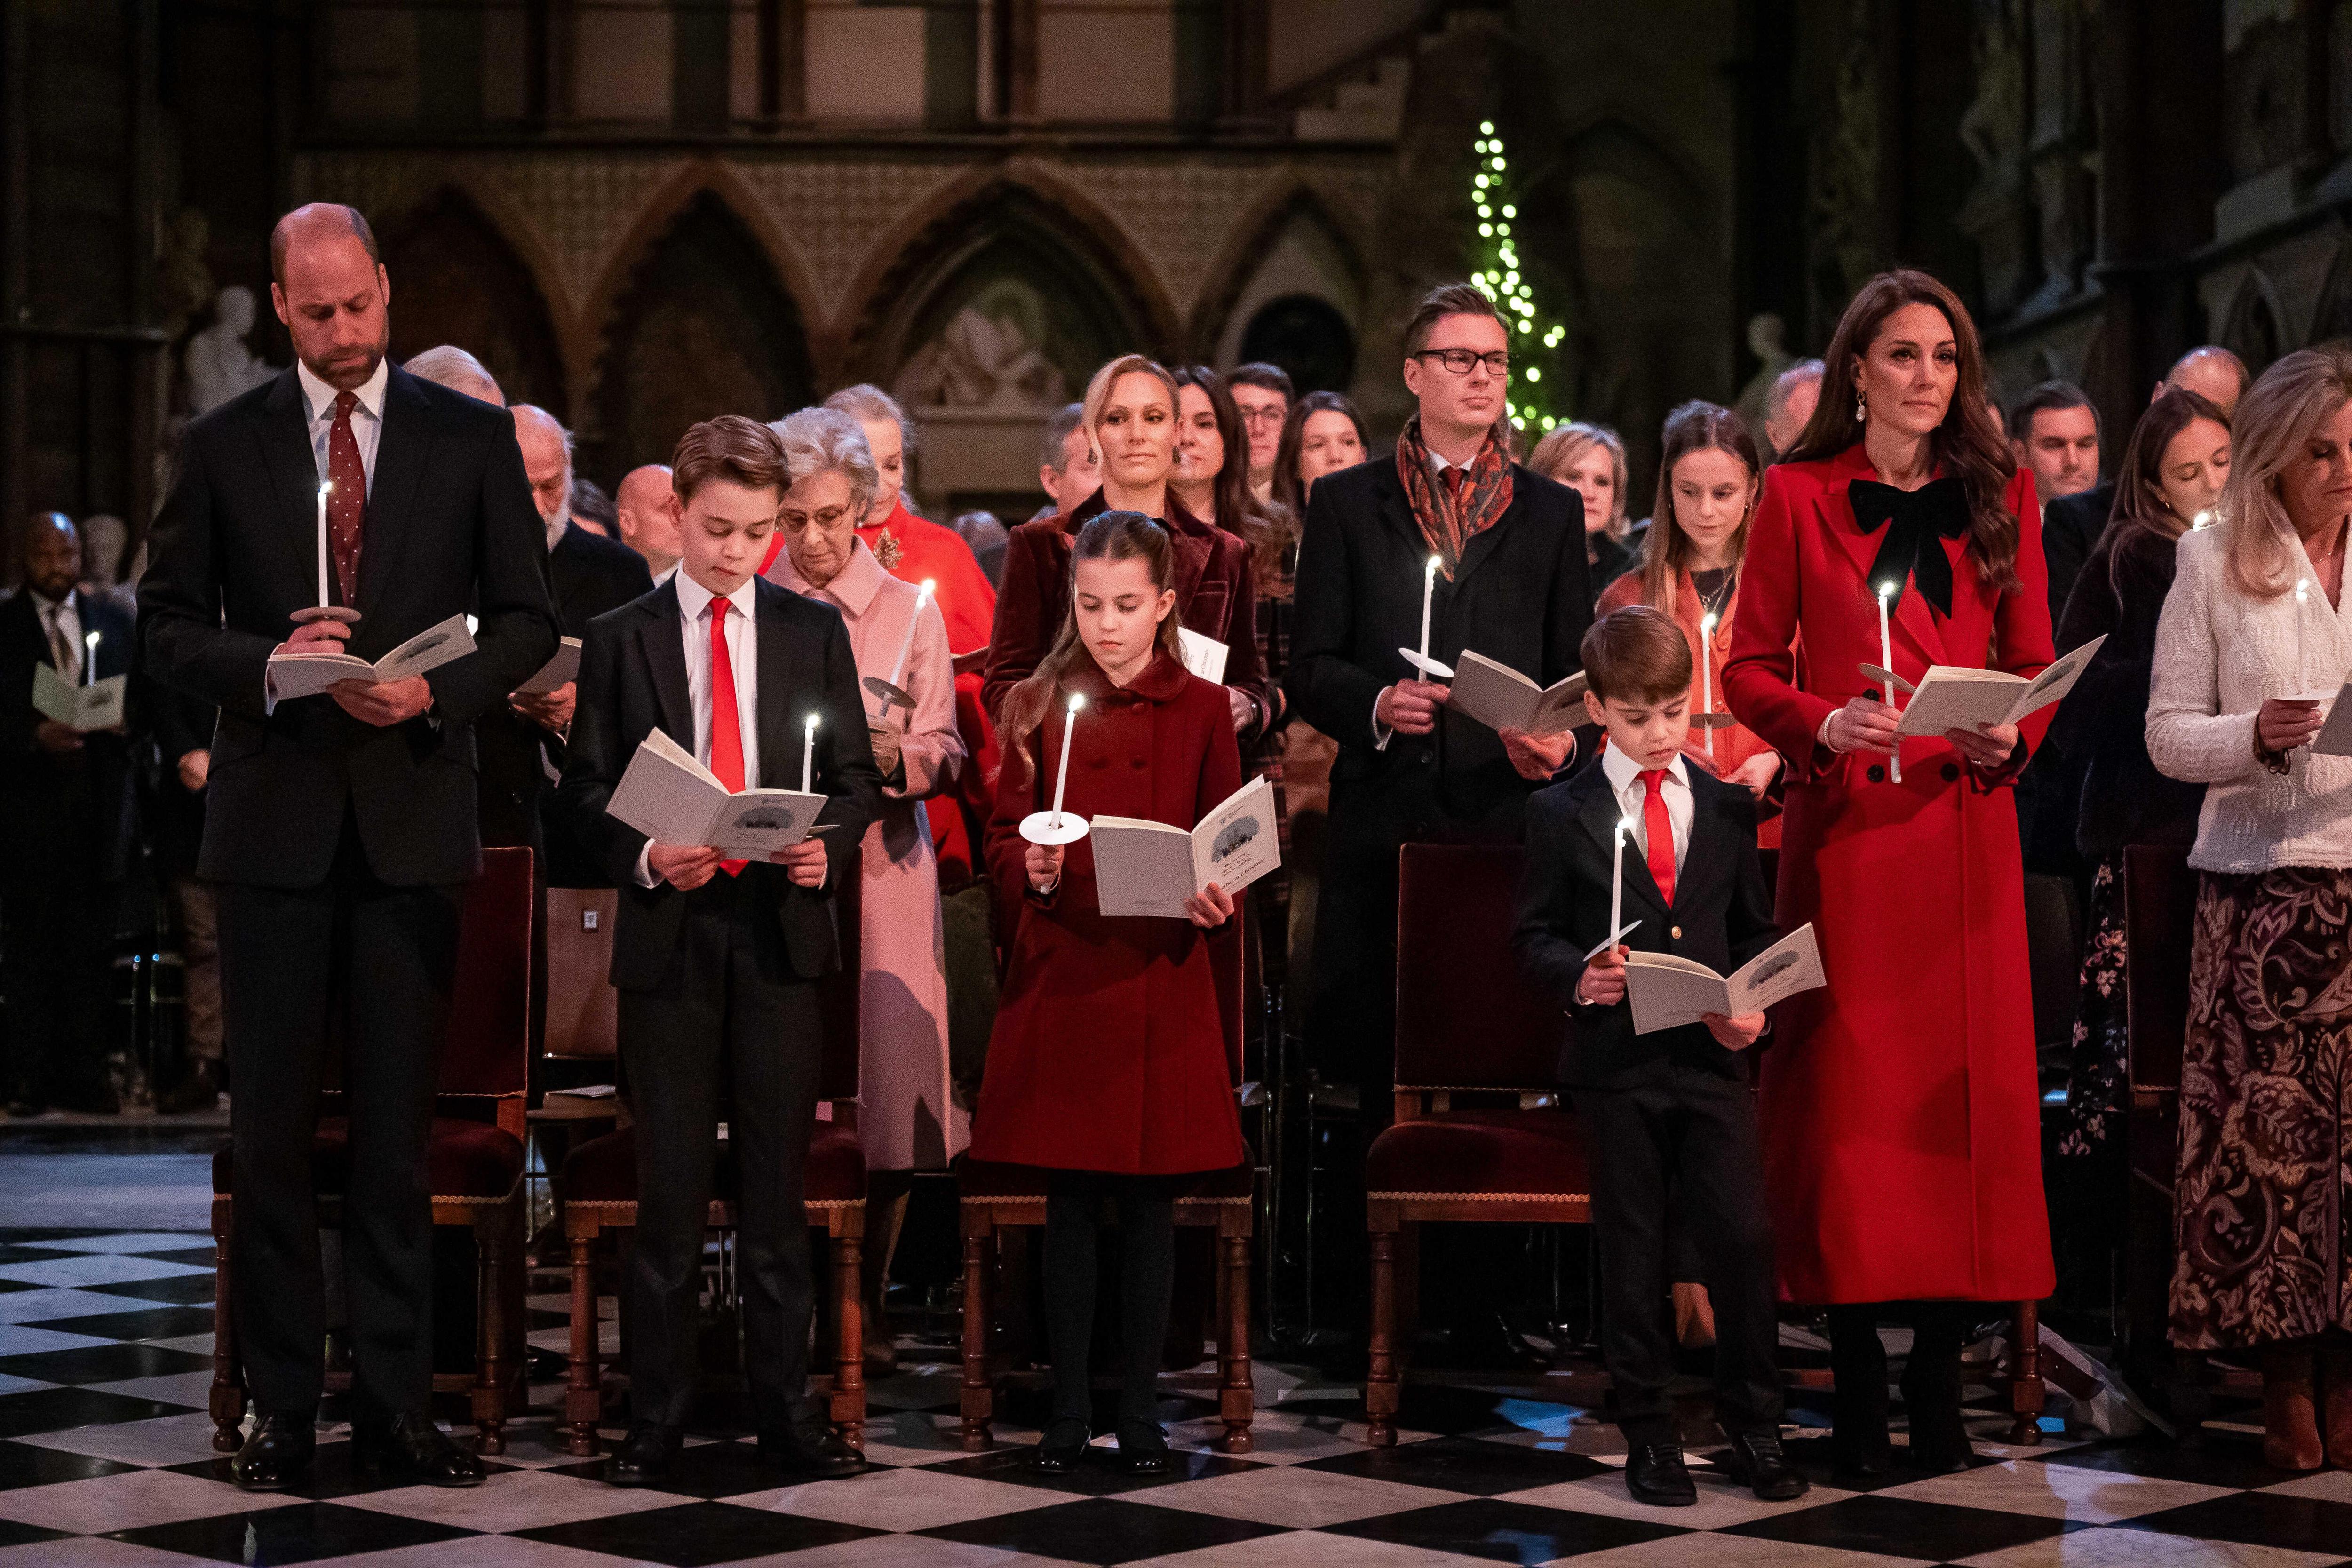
(886, 550)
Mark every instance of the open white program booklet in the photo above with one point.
(1954, 697)
(1145, 868)
(1203, 655)
(1502, 698)
(671, 798)
(302, 674)
(1667, 992)
(81, 708)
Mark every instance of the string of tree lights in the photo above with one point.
(1537, 400)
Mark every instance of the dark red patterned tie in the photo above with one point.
(347, 503)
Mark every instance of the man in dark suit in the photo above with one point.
(173, 818)
(1667, 1111)
(587, 574)
(1511, 583)
(716, 960)
(340, 829)
(71, 830)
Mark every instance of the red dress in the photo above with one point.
(1112, 1049)
(1899, 1108)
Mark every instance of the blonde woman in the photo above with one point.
(2254, 626)
(1591, 460)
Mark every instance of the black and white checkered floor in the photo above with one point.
(106, 1459)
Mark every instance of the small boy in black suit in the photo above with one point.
(716, 960)
(1667, 1111)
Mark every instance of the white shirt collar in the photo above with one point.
(693, 599)
(1624, 773)
(319, 397)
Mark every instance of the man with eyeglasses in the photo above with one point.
(1263, 393)
(1509, 583)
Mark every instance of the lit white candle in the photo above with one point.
(1617, 879)
(324, 489)
(2302, 653)
(1887, 661)
(922, 597)
(1706, 676)
(89, 658)
(1428, 588)
(1062, 773)
(808, 755)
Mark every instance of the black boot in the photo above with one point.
(1932, 1389)
(1859, 1447)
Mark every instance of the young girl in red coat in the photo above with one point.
(1108, 1065)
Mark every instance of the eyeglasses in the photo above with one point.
(1264, 414)
(1459, 361)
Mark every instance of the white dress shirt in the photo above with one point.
(694, 602)
(367, 417)
(1624, 775)
(60, 617)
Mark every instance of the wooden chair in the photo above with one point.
(600, 1194)
(998, 1198)
(474, 1165)
(1478, 1135)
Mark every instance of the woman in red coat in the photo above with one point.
(1109, 1061)
(1899, 1105)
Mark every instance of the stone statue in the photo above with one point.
(1767, 335)
(218, 364)
(987, 357)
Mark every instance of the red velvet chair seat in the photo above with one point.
(463, 1159)
(604, 1170)
(1480, 1154)
(984, 1181)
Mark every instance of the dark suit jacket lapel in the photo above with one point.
(403, 450)
(779, 717)
(659, 637)
(1599, 816)
(1708, 860)
(1483, 545)
(1396, 512)
(283, 440)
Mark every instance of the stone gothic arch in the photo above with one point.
(458, 280)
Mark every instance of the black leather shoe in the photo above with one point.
(278, 1455)
(1655, 1474)
(1063, 1448)
(1143, 1448)
(412, 1448)
(810, 1450)
(1757, 1462)
(643, 1457)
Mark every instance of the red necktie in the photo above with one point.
(725, 724)
(1658, 832)
(1454, 478)
(347, 503)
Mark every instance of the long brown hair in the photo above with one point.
(1108, 536)
(2274, 419)
(1696, 427)
(1966, 444)
(1288, 488)
(2139, 479)
(1264, 529)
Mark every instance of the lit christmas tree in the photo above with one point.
(1536, 401)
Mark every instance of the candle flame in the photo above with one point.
(1624, 827)
(2302, 589)
(1706, 622)
(812, 723)
(1077, 701)
(326, 490)
(929, 584)
(90, 639)
(1434, 563)
(1887, 590)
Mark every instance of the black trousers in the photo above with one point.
(1690, 1133)
(57, 953)
(1147, 1225)
(734, 1019)
(381, 960)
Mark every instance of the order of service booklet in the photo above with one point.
(1203, 655)
(1954, 697)
(1145, 868)
(564, 666)
(671, 798)
(1502, 698)
(1667, 992)
(81, 708)
(299, 674)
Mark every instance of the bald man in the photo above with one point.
(587, 574)
(340, 829)
(649, 519)
(63, 800)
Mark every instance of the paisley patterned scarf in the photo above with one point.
(1449, 522)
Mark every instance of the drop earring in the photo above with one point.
(1861, 408)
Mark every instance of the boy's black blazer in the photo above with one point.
(633, 679)
(1722, 916)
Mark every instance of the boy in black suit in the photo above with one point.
(716, 960)
(1667, 1111)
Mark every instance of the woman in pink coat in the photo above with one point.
(909, 1120)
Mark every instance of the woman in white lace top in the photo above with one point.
(2254, 625)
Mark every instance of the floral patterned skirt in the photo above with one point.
(2091, 1125)
(2263, 1201)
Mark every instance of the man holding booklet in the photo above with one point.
(344, 504)
(696, 702)
(1665, 1109)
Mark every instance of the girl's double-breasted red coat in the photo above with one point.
(1113, 1050)
(1899, 1106)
